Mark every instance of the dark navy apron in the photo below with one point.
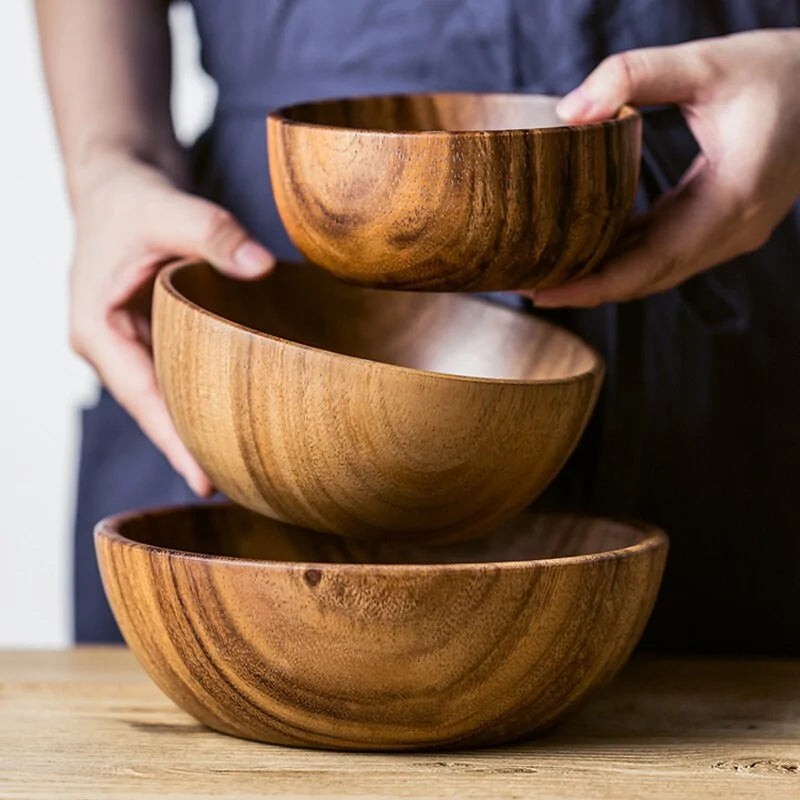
(698, 427)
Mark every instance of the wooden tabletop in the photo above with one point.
(87, 723)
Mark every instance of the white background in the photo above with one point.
(42, 384)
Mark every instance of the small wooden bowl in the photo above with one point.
(452, 192)
(368, 413)
(280, 634)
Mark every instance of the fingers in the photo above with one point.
(691, 229)
(126, 368)
(128, 226)
(188, 225)
(648, 76)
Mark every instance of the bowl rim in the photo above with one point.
(653, 539)
(626, 115)
(595, 371)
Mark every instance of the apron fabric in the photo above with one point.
(698, 426)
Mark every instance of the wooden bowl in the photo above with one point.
(280, 634)
(368, 413)
(452, 192)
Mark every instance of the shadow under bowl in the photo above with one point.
(279, 634)
(368, 413)
(452, 192)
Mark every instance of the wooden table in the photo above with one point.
(88, 723)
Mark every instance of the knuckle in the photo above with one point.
(748, 216)
(217, 224)
(77, 343)
(665, 269)
(657, 269)
(141, 387)
(756, 236)
(625, 70)
(753, 208)
(706, 69)
(663, 264)
(134, 388)
(698, 62)
(79, 338)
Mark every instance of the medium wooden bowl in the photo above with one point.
(368, 413)
(452, 192)
(280, 634)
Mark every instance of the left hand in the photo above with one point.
(740, 96)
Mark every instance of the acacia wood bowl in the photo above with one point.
(287, 636)
(452, 192)
(368, 413)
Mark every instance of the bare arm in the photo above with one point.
(108, 70)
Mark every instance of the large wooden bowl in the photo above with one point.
(276, 633)
(368, 413)
(466, 192)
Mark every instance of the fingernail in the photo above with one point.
(252, 260)
(197, 480)
(574, 105)
(200, 485)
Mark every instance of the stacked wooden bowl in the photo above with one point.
(452, 192)
(380, 585)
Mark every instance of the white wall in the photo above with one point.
(41, 383)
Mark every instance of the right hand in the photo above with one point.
(130, 220)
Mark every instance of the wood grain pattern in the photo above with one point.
(299, 638)
(368, 413)
(454, 192)
(87, 724)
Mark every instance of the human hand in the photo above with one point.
(130, 219)
(740, 96)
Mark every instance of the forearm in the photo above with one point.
(108, 67)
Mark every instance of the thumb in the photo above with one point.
(649, 76)
(191, 226)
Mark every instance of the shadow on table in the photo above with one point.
(734, 716)
(691, 700)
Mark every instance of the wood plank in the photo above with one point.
(88, 724)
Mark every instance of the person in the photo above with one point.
(696, 313)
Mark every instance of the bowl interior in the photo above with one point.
(442, 333)
(432, 112)
(233, 532)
